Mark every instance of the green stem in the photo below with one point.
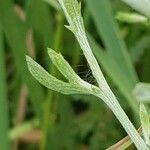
(72, 10)
(113, 104)
(109, 98)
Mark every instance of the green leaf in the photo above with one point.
(40, 22)
(146, 65)
(53, 3)
(16, 37)
(145, 123)
(141, 6)
(142, 92)
(63, 66)
(139, 48)
(49, 81)
(108, 30)
(4, 119)
(131, 17)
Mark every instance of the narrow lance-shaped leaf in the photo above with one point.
(53, 83)
(63, 66)
(72, 10)
(145, 123)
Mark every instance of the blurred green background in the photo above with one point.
(37, 118)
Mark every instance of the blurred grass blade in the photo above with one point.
(131, 17)
(23, 129)
(138, 49)
(144, 117)
(40, 22)
(108, 30)
(141, 6)
(146, 66)
(53, 3)
(4, 119)
(15, 35)
(124, 143)
(142, 92)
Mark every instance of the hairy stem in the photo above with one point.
(72, 10)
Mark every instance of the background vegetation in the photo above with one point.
(37, 118)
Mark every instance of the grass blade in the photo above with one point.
(141, 6)
(4, 119)
(109, 31)
(15, 35)
(139, 48)
(40, 22)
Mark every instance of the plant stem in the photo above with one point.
(109, 97)
(114, 105)
(111, 101)
(72, 10)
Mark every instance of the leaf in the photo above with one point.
(15, 35)
(138, 49)
(53, 3)
(142, 92)
(41, 24)
(131, 17)
(63, 66)
(4, 119)
(141, 6)
(108, 30)
(145, 123)
(53, 83)
(146, 65)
